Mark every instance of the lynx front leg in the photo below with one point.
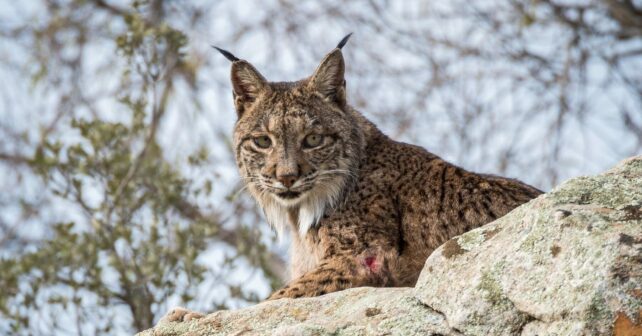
(370, 268)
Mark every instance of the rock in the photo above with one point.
(566, 263)
(358, 311)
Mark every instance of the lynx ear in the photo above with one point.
(247, 84)
(328, 79)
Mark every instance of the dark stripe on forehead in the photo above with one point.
(285, 147)
(312, 122)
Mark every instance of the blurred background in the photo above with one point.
(119, 196)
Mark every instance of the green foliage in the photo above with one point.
(139, 31)
(134, 233)
(136, 230)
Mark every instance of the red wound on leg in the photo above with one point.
(372, 263)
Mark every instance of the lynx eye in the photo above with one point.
(263, 141)
(312, 140)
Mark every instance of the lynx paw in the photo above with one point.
(278, 295)
(290, 292)
(180, 314)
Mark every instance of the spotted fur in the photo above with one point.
(362, 209)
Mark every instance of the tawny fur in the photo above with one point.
(364, 210)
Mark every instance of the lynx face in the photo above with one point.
(295, 147)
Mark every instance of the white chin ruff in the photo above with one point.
(311, 210)
(309, 214)
(312, 205)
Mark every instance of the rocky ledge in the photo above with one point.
(566, 263)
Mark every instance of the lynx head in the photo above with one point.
(297, 143)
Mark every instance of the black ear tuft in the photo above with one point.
(341, 44)
(227, 54)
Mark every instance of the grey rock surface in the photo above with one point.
(566, 263)
(358, 311)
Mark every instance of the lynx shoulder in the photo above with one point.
(362, 209)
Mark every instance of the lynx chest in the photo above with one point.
(304, 255)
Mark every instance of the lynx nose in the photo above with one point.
(287, 180)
